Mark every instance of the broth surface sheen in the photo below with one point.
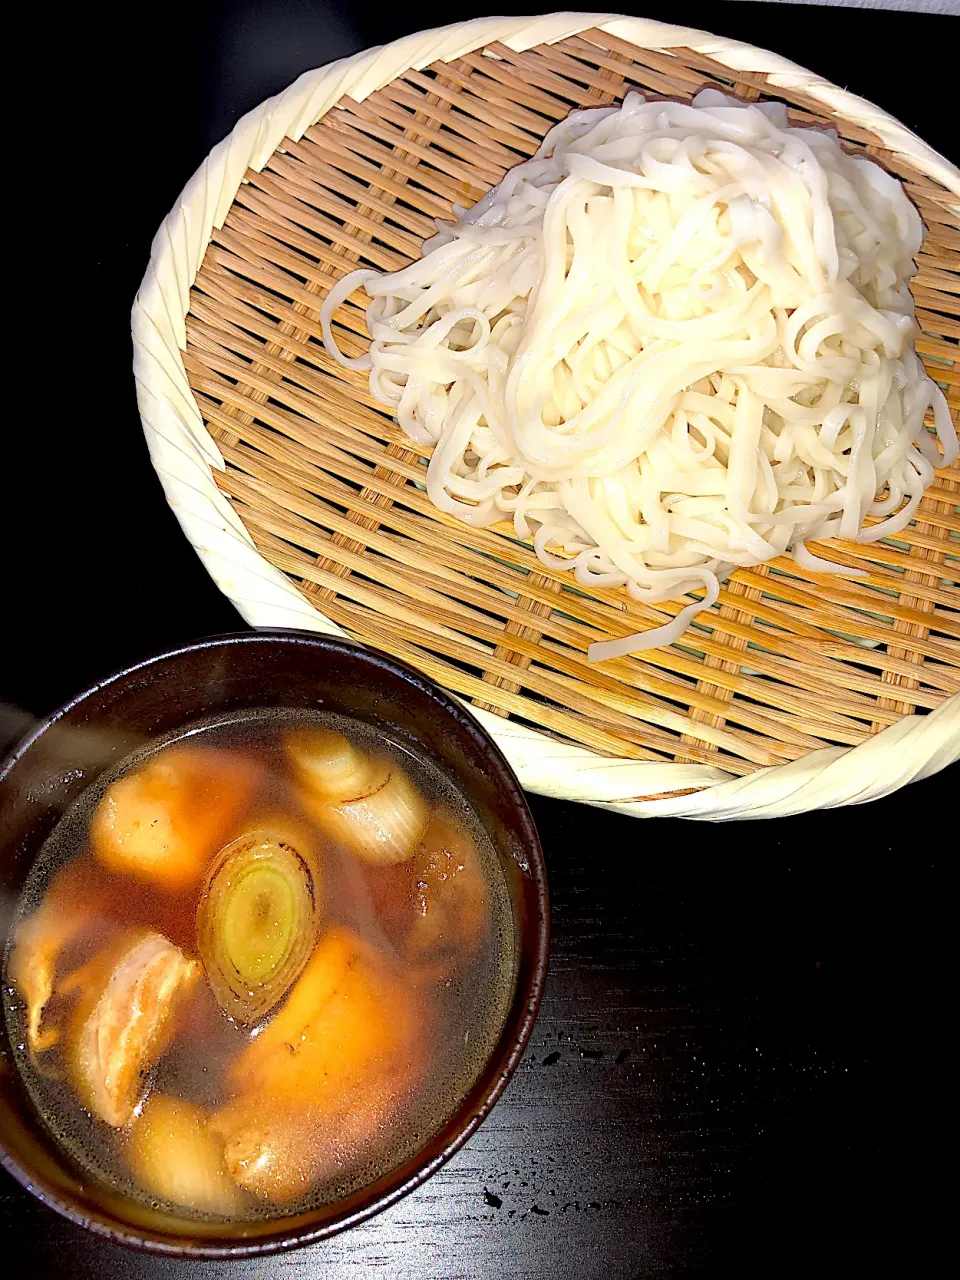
(448, 970)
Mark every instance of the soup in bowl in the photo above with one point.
(276, 935)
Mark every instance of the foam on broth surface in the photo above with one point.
(467, 1006)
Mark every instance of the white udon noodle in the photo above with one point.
(676, 340)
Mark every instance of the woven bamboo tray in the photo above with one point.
(306, 502)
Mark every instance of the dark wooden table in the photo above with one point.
(739, 1068)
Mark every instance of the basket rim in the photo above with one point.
(185, 455)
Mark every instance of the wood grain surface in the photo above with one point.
(740, 1068)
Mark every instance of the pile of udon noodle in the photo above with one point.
(675, 341)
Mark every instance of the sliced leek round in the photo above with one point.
(330, 767)
(367, 804)
(383, 827)
(257, 922)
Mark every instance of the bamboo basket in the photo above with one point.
(306, 502)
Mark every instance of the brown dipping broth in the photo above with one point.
(466, 1007)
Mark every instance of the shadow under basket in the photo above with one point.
(318, 499)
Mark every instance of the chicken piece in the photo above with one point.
(165, 820)
(129, 999)
(173, 1154)
(347, 1014)
(329, 766)
(77, 897)
(367, 804)
(449, 898)
(318, 1084)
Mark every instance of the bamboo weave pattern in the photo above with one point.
(332, 494)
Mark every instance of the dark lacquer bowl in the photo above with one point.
(72, 748)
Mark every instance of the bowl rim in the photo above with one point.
(483, 1095)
